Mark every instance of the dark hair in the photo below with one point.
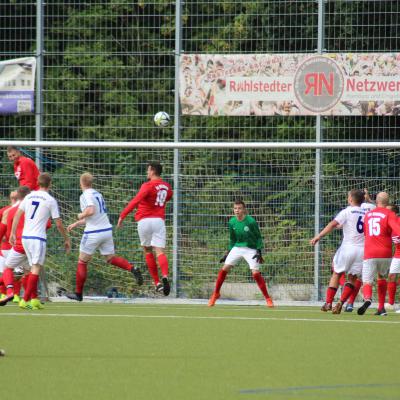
(394, 208)
(156, 167)
(357, 196)
(239, 201)
(44, 180)
(23, 191)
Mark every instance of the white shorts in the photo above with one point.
(3, 260)
(99, 240)
(237, 253)
(374, 265)
(349, 259)
(35, 250)
(395, 266)
(152, 232)
(15, 259)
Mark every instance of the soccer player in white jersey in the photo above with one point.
(97, 235)
(38, 207)
(368, 205)
(349, 257)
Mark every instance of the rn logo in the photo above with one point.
(318, 84)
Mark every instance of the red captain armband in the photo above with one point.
(48, 225)
(3, 230)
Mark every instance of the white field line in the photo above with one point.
(193, 317)
(178, 307)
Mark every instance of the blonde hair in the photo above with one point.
(87, 179)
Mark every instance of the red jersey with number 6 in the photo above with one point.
(150, 201)
(380, 225)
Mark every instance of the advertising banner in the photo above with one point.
(290, 84)
(17, 84)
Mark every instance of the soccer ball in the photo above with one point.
(161, 119)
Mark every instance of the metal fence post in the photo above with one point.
(39, 78)
(318, 163)
(39, 108)
(177, 128)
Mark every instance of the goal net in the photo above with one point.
(277, 185)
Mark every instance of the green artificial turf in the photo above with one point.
(117, 351)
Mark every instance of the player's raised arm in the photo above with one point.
(328, 228)
(394, 224)
(143, 192)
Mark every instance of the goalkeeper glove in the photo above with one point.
(224, 257)
(258, 257)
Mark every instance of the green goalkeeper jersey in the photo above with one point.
(245, 233)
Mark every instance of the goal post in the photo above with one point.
(276, 180)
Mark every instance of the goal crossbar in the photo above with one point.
(204, 145)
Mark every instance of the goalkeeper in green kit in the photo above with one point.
(245, 242)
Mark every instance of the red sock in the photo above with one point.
(382, 288)
(220, 279)
(17, 287)
(81, 274)
(24, 281)
(330, 294)
(2, 287)
(8, 279)
(152, 267)
(367, 291)
(357, 287)
(348, 289)
(163, 263)
(342, 279)
(120, 262)
(261, 283)
(31, 287)
(391, 288)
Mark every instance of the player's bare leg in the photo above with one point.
(263, 287)
(80, 277)
(353, 296)
(382, 289)
(31, 292)
(122, 263)
(348, 289)
(331, 291)
(152, 267)
(8, 279)
(223, 272)
(391, 288)
(163, 263)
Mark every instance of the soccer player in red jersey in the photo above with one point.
(380, 225)
(16, 256)
(150, 202)
(25, 169)
(4, 244)
(394, 267)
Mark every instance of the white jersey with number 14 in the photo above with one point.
(99, 220)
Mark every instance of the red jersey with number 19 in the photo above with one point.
(379, 227)
(150, 200)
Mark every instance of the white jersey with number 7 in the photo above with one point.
(38, 206)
